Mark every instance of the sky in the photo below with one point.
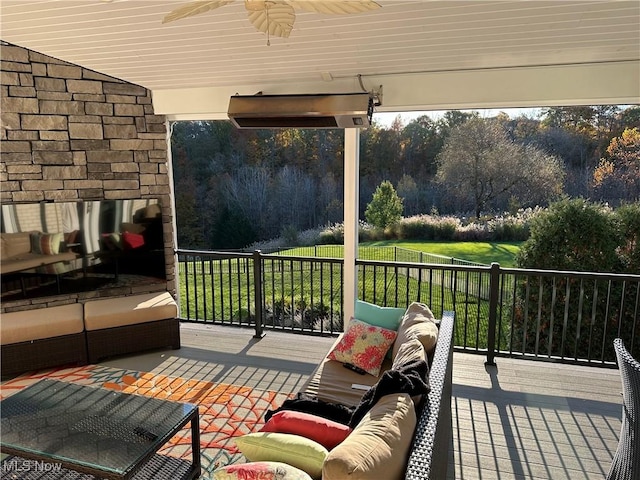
(386, 118)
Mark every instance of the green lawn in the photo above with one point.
(481, 252)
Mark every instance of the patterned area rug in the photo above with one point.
(226, 411)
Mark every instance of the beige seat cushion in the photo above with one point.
(41, 323)
(378, 447)
(121, 311)
(34, 260)
(332, 382)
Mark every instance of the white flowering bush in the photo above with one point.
(498, 227)
(427, 227)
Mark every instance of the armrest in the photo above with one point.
(429, 455)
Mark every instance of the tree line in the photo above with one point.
(235, 187)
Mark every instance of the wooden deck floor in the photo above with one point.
(518, 420)
(533, 420)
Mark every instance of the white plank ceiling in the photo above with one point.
(126, 39)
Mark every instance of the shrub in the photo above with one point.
(445, 228)
(314, 314)
(572, 235)
(242, 315)
(309, 237)
(290, 235)
(332, 235)
(369, 233)
(505, 227)
(628, 218)
(426, 227)
(279, 313)
(267, 246)
(414, 227)
(581, 236)
(300, 313)
(472, 232)
(512, 227)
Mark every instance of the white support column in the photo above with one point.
(172, 196)
(351, 200)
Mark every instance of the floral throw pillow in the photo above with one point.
(364, 346)
(260, 471)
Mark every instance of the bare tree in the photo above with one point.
(408, 190)
(480, 164)
(247, 190)
(295, 193)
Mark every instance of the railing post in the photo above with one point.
(494, 290)
(257, 292)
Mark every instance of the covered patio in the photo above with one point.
(411, 56)
(520, 419)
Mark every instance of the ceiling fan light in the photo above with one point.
(255, 5)
(274, 17)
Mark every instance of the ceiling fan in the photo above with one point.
(275, 17)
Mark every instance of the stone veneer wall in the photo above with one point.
(69, 133)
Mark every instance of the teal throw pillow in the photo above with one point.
(384, 317)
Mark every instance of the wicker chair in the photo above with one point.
(626, 461)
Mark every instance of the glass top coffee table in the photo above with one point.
(94, 431)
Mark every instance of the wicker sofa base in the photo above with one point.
(45, 353)
(429, 457)
(109, 342)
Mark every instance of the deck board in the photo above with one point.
(525, 419)
(521, 419)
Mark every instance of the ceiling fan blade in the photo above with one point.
(193, 8)
(275, 18)
(335, 7)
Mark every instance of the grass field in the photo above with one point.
(480, 252)
(307, 295)
(294, 289)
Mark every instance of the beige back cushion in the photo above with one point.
(419, 323)
(12, 244)
(378, 448)
(410, 351)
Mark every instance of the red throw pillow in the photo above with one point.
(132, 240)
(321, 430)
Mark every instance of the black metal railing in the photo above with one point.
(541, 314)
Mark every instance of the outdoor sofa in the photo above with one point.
(27, 250)
(81, 333)
(402, 434)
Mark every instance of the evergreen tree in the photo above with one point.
(385, 208)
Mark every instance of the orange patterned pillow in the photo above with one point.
(364, 346)
(46, 243)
